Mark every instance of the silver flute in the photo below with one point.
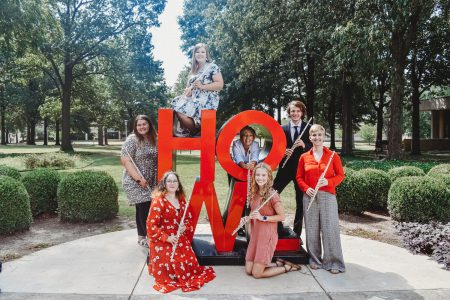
(316, 190)
(299, 137)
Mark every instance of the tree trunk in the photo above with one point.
(310, 86)
(415, 140)
(31, 132)
(398, 82)
(100, 135)
(45, 131)
(106, 136)
(3, 124)
(382, 87)
(332, 121)
(347, 129)
(66, 144)
(57, 143)
(2, 115)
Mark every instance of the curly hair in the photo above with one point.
(267, 189)
(161, 190)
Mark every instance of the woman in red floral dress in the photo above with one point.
(166, 211)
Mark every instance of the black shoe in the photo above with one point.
(241, 232)
(287, 233)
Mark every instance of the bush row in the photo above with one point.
(386, 165)
(57, 160)
(405, 191)
(86, 196)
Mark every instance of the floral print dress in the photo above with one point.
(200, 99)
(184, 271)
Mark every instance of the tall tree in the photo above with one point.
(84, 31)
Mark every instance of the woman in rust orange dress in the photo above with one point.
(166, 211)
(264, 236)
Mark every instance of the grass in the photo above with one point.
(107, 158)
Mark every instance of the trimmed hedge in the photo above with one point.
(419, 199)
(443, 177)
(87, 196)
(376, 184)
(11, 172)
(15, 212)
(440, 169)
(59, 160)
(42, 186)
(404, 171)
(351, 194)
(386, 165)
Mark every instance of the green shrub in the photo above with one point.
(57, 160)
(348, 170)
(419, 199)
(11, 172)
(350, 194)
(386, 165)
(440, 169)
(87, 196)
(376, 184)
(15, 212)
(443, 177)
(405, 171)
(42, 186)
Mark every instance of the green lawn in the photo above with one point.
(93, 157)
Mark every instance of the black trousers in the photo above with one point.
(142, 210)
(283, 178)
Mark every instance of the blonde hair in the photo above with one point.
(195, 66)
(316, 127)
(266, 190)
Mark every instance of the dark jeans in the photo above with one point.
(282, 179)
(142, 210)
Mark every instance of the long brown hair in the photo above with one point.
(266, 190)
(161, 190)
(151, 130)
(195, 66)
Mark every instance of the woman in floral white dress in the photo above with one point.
(202, 91)
(166, 211)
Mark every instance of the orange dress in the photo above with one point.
(264, 236)
(184, 271)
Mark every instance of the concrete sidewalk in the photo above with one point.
(112, 266)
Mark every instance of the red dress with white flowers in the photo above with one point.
(184, 271)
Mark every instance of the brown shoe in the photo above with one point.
(286, 262)
(289, 268)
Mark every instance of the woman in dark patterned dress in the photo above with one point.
(166, 211)
(264, 236)
(140, 148)
(202, 91)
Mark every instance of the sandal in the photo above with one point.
(286, 262)
(291, 268)
(334, 271)
(279, 263)
(313, 266)
(143, 243)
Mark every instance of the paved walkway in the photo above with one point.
(111, 266)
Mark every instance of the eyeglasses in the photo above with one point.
(172, 181)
